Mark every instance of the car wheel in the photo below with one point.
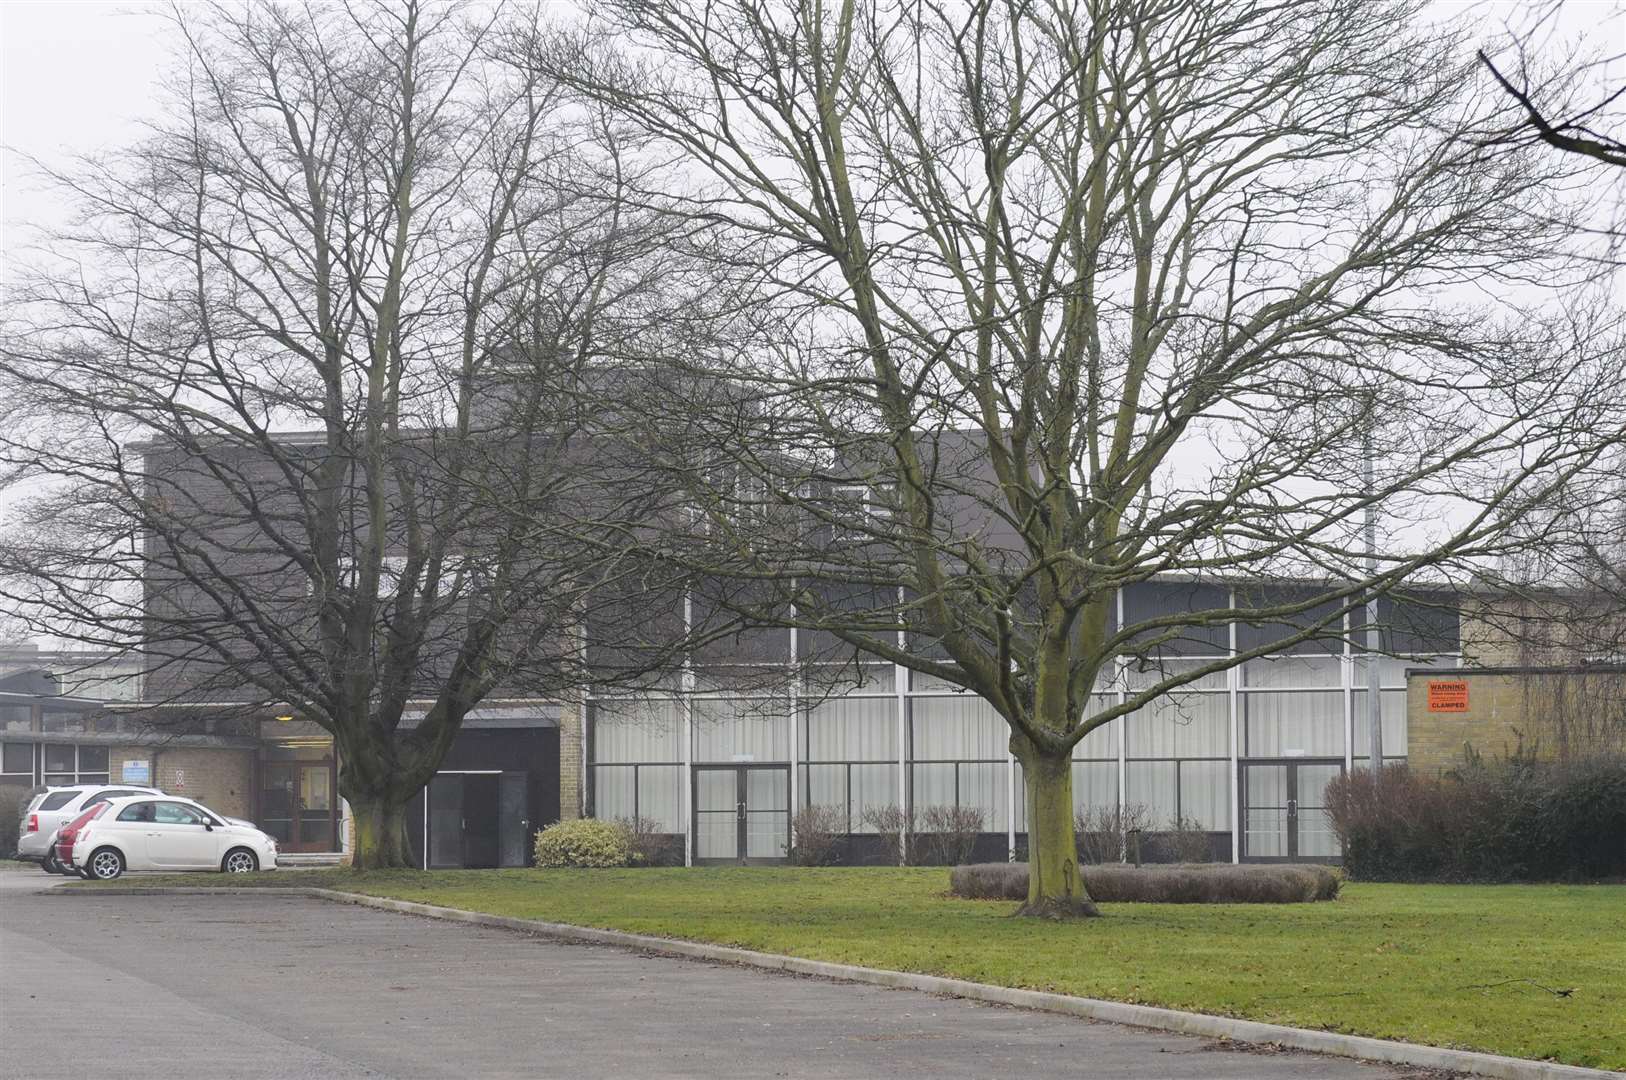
(105, 864)
(49, 864)
(239, 861)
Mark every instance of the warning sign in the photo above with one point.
(1448, 696)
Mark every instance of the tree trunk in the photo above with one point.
(381, 832)
(1055, 886)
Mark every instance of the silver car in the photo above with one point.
(53, 808)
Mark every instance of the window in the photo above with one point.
(67, 764)
(173, 813)
(863, 509)
(17, 759)
(17, 717)
(389, 575)
(56, 800)
(141, 811)
(108, 796)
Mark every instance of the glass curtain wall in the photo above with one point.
(862, 748)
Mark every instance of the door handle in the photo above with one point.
(1292, 808)
(741, 806)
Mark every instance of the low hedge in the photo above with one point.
(1180, 883)
(1520, 819)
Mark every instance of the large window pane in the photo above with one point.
(1181, 725)
(1095, 785)
(1205, 794)
(1305, 671)
(637, 730)
(1392, 704)
(852, 729)
(59, 759)
(741, 729)
(18, 758)
(1287, 723)
(660, 796)
(1152, 784)
(960, 728)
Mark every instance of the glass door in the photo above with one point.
(297, 803)
(741, 813)
(1284, 815)
(719, 813)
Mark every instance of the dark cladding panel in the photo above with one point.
(1414, 622)
(1157, 599)
(1266, 632)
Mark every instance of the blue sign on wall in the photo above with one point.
(137, 772)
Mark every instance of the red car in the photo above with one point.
(69, 834)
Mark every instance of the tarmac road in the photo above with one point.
(219, 988)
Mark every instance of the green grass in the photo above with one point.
(1440, 964)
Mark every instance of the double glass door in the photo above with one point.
(741, 813)
(478, 819)
(1284, 815)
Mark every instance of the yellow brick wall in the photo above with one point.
(570, 761)
(1507, 711)
(221, 778)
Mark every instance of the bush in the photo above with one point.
(11, 812)
(819, 831)
(1101, 830)
(651, 845)
(948, 834)
(1520, 819)
(585, 842)
(1186, 841)
(890, 823)
(1210, 883)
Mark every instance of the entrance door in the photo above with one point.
(478, 819)
(297, 804)
(1284, 815)
(741, 813)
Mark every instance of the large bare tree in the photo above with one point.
(1026, 302)
(296, 404)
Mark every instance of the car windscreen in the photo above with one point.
(56, 800)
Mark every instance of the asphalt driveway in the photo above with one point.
(181, 987)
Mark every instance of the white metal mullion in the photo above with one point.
(1120, 674)
(686, 710)
(1233, 687)
(1346, 680)
(795, 727)
(900, 685)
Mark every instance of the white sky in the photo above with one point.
(79, 76)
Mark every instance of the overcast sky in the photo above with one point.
(80, 75)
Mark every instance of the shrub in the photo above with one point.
(1185, 841)
(890, 823)
(1520, 819)
(584, 842)
(1210, 883)
(948, 834)
(11, 812)
(819, 831)
(1101, 830)
(651, 845)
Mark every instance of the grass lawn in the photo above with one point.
(1451, 965)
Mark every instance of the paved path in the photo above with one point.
(182, 987)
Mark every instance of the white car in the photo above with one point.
(165, 833)
(55, 807)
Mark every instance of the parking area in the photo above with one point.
(181, 987)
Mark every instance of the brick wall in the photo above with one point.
(571, 786)
(1547, 712)
(222, 778)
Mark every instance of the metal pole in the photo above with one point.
(1374, 714)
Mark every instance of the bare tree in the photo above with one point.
(1563, 107)
(1023, 303)
(298, 401)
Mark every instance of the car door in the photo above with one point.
(131, 830)
(179, 838)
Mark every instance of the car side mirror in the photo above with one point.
(208, 827)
